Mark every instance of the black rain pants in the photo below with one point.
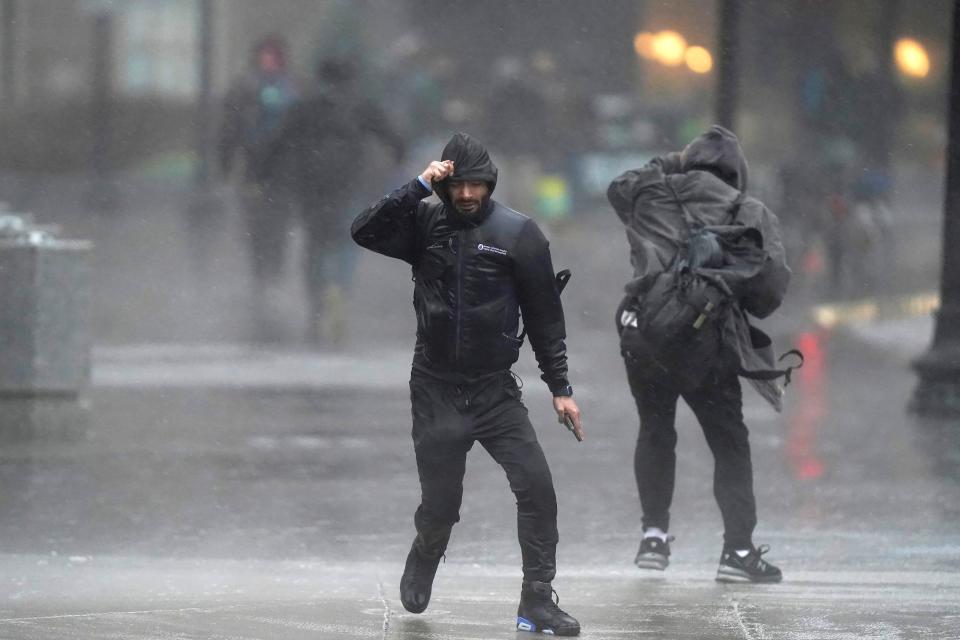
(447, 419)
(718, 405)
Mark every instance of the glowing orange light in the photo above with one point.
(643, 45)
(669, 48)
(911, 58)
(698, 60)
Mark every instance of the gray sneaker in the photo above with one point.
(752, 568)
(654, 553)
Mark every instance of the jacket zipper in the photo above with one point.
(459, 296)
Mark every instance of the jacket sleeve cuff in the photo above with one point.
(424, 185)
(561, 388)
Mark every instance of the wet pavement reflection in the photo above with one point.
(811, 411)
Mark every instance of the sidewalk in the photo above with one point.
(326, 600)
(904, 338)
(900, 326)
(231, 507)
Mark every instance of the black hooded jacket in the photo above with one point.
(474, 276)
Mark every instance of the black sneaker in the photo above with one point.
(538, 611)
(417, 581)
(751, 568)
(654, 553)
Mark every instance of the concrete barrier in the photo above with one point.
(45, 299)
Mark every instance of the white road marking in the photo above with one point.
(239, 366)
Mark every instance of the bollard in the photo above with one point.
(45, 302)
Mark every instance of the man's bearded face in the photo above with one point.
(468, 196)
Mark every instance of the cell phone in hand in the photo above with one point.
(567, 420)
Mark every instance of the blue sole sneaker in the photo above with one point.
(525, 625)
(540, 613)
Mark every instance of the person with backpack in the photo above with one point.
(705, 256)
(477, 265)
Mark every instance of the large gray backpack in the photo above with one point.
(674, 321)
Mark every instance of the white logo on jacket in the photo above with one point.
(486, 247)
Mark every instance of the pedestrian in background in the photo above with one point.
(662, 204)
(477, 266)
(253, 109)
(328, 136)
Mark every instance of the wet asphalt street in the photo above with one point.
(207, 488)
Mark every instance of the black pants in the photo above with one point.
(447, 419)
(718, 406)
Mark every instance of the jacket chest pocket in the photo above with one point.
(434, 265)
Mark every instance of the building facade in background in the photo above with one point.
(808, 66)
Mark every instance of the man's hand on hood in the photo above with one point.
(437, 171)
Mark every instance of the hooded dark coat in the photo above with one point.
(253, 110)
(474, 275)
(326, 134)
(710, 178)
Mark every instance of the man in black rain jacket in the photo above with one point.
(477, 267)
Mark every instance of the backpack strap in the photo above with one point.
(562, 278)
(691, 223)
(773, 374)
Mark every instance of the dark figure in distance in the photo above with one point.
(708, 179)
(326, 135)
(253, 110)
(477, 266)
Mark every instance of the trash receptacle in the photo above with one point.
(45, 303)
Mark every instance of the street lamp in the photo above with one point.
(911, 58)
(643, 45)
(938, 391)
(669, 48)
(698, 60)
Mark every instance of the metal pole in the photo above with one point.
(102, 195)
(204, 90)
(885, 119)
(8, 50)
(938, 391)
(204, 204)
(728, 64)
(8, 78)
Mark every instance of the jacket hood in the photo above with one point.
(717, 151)
(471, 162)
(470, 159)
